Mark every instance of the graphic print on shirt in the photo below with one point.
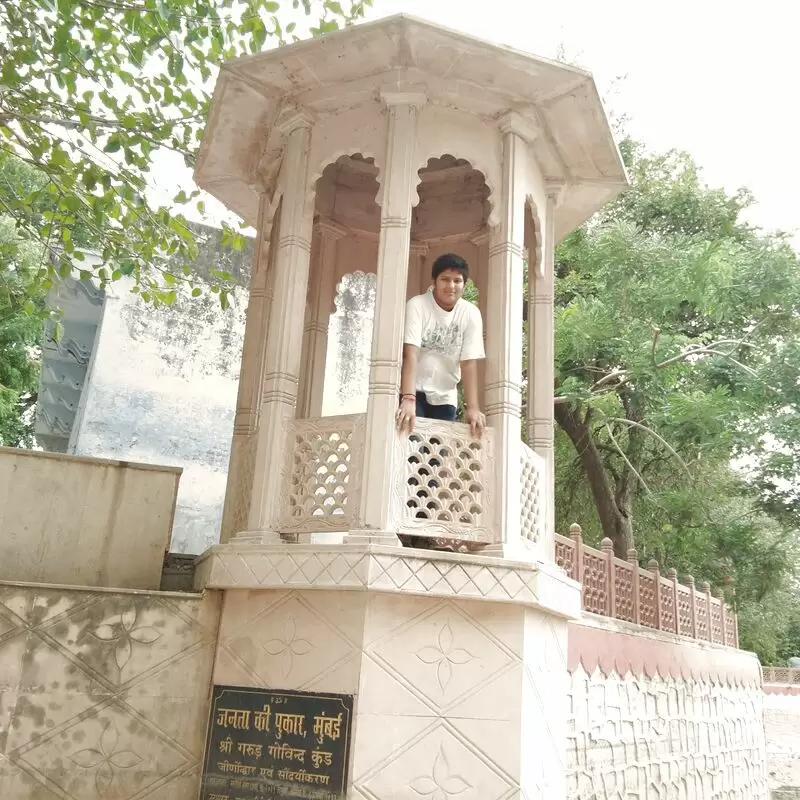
(444, 339)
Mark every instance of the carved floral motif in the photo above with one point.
(290, 646)
(442, 783)
(122, 632)
(444, 655)
(106, 759)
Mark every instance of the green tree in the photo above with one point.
(21, 307)
(677, 351)
(93, 91)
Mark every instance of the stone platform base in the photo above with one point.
(457, 663)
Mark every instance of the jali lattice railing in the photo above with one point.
(789, 676)
(446, 490)
(623, 590)
(320, 482)
(533, 495)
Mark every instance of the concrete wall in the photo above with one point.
(83, 521)
(656, 717)
(782, 724)
(162, 390)
(103, 695)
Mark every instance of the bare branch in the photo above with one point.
(624, 421)
(626, 459)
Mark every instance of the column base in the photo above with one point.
(516, 551)
(257, 537)
(365, 536)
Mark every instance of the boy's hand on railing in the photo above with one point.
(474, 417)
(406, 415)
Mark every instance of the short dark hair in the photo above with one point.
(450, 261)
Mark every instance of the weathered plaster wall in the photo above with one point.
(660, 718)
(103, 695)
(83, 521)
(162, 390)
(782, 724)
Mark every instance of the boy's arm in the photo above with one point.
(471, 352)
(473, 415)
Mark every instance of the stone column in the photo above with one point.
(480, 270)
(285, 331)
(504, 344)
(418, 271)
(315, 339)
(379, 479)
(242, 458)
(541, 359)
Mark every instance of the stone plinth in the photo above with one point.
(457, 662)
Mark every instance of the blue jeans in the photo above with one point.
(428, 410)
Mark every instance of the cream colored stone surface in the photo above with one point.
(103, 695)
(452, 694)
(379, 568)
(782, 724)
(84, 521)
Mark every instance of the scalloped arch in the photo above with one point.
(477, 161)
(317, 170)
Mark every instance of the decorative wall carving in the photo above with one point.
(385, 569)
(103, 695)
(656, 717)
(440, 684)
(658, 738)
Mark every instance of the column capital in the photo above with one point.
(393, 97)
(555, 191)
(294, 118)
(515, 123)
(480, 239)
(331, 229)
(419, 248)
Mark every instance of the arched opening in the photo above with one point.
(451, 216)
(341, 293)
(349, 340)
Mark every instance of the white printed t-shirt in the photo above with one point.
(444, 339)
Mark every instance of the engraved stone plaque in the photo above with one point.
(277, 745)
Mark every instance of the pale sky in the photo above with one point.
(719, 79)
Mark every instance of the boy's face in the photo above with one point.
(448, 288)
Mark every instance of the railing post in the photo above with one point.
(576, 534)
(735, 615)
(633, 560)
(607, 547)
(692, 606)
(652, 565)
(722, 608)
(672, 575)
(705, 588)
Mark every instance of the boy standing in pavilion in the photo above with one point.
(442, 344)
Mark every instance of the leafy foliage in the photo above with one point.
(20, 319)
(94, 92)
(677, 352)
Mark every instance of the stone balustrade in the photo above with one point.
(444, 489)
(787, 676)
(623, 590)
